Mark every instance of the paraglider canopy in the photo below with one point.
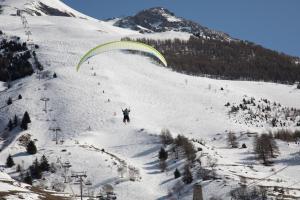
(122, 45)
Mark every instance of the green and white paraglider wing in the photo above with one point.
(122, 45)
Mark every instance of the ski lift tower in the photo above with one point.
(79, 176)
(88, 183)
(45, 100)
(66, 165)
(55, 129)
(24, 21)
(28, 33)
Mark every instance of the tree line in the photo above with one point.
(15, 59)
(233, 60)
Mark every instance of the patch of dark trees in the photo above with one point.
(35, 171)
(235, 60)
(15, 122)
(9, 134)
(15, 59)
(53, 11)
(287, 135)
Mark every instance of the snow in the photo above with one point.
(164, 35)
(5, 187)
(2, 86)
(169, 17)
(13, 5)
(12, 189)
(27, 196)
(158, 98)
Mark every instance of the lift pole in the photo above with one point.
(55, 130)
(79, 176)
(45, 100)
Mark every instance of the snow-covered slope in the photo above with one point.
(11, 189)
(86, 106)
(41, 7)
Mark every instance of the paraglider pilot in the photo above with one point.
(126, 115)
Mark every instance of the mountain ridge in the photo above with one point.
(159, 19)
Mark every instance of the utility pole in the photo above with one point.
(45, 100)
(79, 176)
(24, 21)
(55, 129)
(28, 33)
(197, 193)
(66, 166)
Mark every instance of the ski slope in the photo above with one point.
(86, 105)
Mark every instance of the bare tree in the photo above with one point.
(252, 193)
(232, 140)
(187, 175)
(122, 169)
(265, 147)
(133, 173)
(274, 150)
(187, 146)
(166, 137)
(211, 162)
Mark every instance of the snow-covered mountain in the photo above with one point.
(40, 8)
(85, 108)
(160, 19)
(203, 51)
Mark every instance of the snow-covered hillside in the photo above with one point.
(11, 189)
(41, 8)
(86, 106)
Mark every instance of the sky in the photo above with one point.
(274, 24)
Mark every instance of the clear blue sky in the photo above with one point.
(274, 24)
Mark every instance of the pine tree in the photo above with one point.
(162, 155)
(28, 178)
(44, 165)
(54, 75)
(9, 101)
(25, 121)
(10, 125)
(187, 175)
(9, 161)
(35, 169)
(24, 126)
(31, 148)
(26, 117)
(177, 173)
(20, 97)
